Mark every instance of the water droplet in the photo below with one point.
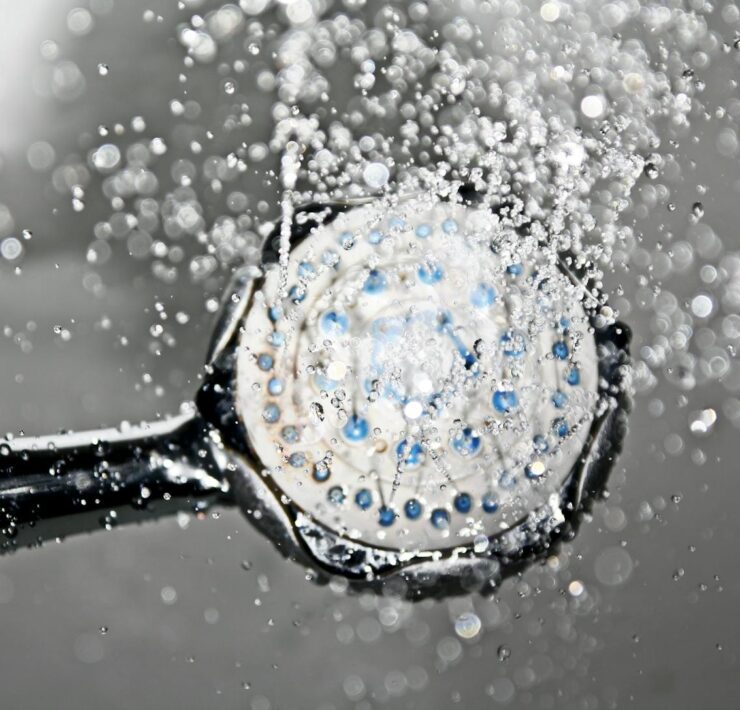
(467, 625)
(375, 175)
(593, 106)
(11, 248)
(106, 157)
(613, 566)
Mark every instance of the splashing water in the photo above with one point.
(569, 121)
(552, 115)
(295, 135)
(539, 112)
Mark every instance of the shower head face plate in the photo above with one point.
(418, 376)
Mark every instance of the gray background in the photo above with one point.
(265, 637)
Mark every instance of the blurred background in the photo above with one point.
(639, 611)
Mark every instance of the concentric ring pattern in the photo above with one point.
(423, 376)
